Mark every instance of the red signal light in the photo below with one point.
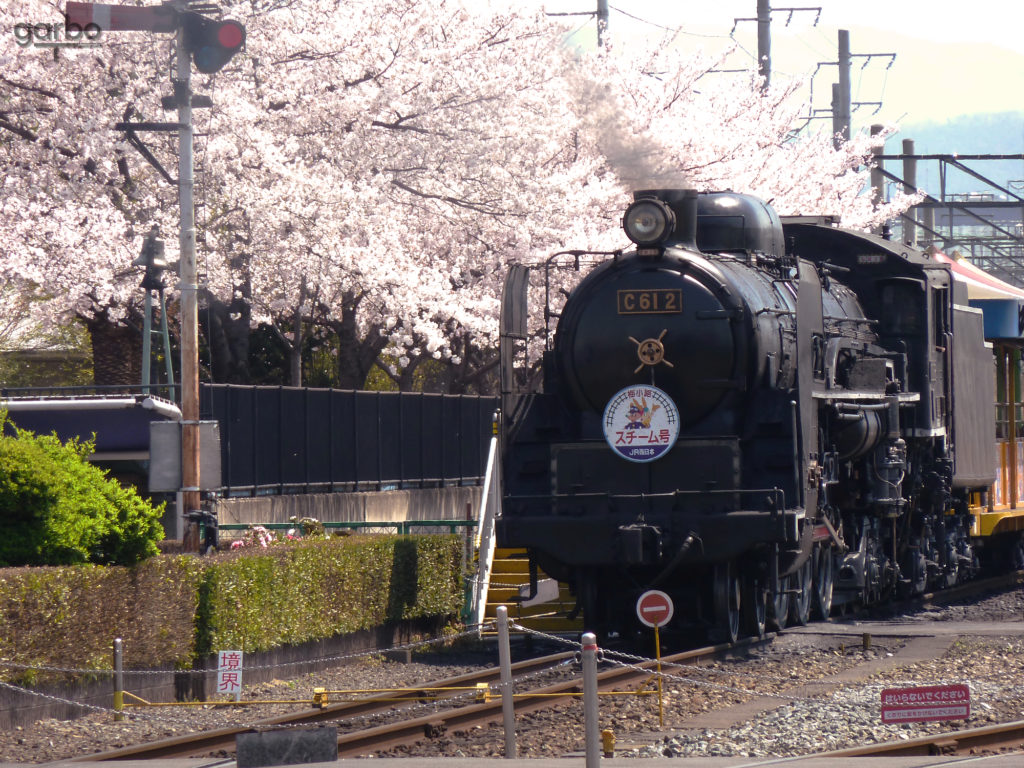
(231, 34)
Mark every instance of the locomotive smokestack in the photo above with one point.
(683, 204)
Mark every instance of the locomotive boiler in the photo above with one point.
(761, 418)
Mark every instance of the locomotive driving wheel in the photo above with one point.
(754, 605)
(800, 602)
(824, 579)
(726, 594)
(778, 606)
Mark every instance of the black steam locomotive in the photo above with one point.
(762, 418)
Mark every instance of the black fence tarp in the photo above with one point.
(298, 440)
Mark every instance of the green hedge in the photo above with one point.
(69, 616)
(319, 589)
(171, 609)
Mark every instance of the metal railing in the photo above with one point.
(401, 527)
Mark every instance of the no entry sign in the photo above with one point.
(929, 702)
(654, 608)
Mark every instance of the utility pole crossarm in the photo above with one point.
(789, 17)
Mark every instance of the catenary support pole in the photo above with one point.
(764, 41)
(843, 98)
(508, 712)
(878, 180)
(591, 727)
(910, 187)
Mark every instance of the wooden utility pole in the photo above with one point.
(189, 290)
(602, 21)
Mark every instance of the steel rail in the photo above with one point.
(990, 737)
(224, 738)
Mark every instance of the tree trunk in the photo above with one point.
(227, 334)
(356, 355)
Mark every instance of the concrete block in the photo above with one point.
(288, 746)
(400, 655)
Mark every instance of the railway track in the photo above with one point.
(224, 738)
(454, 719)
(409, 730)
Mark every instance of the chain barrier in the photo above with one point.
(512, 624)
(95, 707)
(491, 582)
(607, 656)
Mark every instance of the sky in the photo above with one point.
(952, 58)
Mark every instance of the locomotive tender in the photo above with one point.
(761, 418)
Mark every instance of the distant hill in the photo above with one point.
(990, 134)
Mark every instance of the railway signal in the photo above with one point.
(210, 42)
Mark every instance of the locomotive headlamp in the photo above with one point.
(648, 222)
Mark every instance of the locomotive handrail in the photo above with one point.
(575, 253)
(490, 506)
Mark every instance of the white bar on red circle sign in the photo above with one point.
(121, 18)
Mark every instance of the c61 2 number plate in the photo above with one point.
(650, 301)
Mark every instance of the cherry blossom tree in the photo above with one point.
(74, 202)
(370, 168)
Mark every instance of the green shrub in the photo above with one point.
(58, 509)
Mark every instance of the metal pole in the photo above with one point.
(508, 712)
(118, 679)
(168, 362)
(657, 658)
(187, 274)
(843, 106)
(591, 728)
(147, 340)
(764, 42)
(878, 179)
(910, 187)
